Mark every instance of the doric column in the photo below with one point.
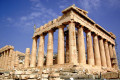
(81, 46)
(10, 58)
(13, 60)
(33, 53)
(108, 60)
(4, 59)
(102, 53)
(114, 53)
(0, 59)
(8, 64)
(60, 57)
(50, 49)
(1, 64)
(16, 65)
(96, 50)
(67, 48)
(110, 52)
(27, 58)
(41, 51)
(7, 54)
(90, 55)
(72, 43)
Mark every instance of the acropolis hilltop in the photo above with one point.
(98, 60)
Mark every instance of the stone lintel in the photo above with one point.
(56, 24)
(20, 53)
(7, 47)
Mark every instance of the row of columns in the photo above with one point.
(99, 53)
(9, 59)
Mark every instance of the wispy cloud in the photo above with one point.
(9, 19)
(39, 14)
(89, 5)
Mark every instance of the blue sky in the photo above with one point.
(17, 18)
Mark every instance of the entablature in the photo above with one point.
(7, 47)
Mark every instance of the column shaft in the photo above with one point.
(60, 58)
(96, 51)
(13, 60)
(6, 60)
(110, 50)
(114, 53)
(3, 63)
(102, 53)
(50, 49)
(10, 58)
(108, 60)
(16, 65)
(90, 55)
(33, 54)
(67, 48)
(27, 58)
(81, 46)
(41, 51)
(2, 60)
(72, 44)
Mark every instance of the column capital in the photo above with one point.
(88, 30)
(71, 21)
(106, 41)
(61, 26)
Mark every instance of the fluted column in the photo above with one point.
(50, 49)
(10, 58)
(60, 57)
(41, 51)
(96, 50)
(111, 52)
(72, 43)
(81, 46)
(7, 54)
(33, 54)
(67, 48)
(4, 59)
(13, 60)
(90, 55)
(8, 64)
(102, 53)
(1, 60)
(108, 60)
(27, 58)
(16, 61)
(114, 53)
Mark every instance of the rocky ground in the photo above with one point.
(67, 72)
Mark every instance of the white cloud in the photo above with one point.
(9, 19)
(62, 6)
(89, 5)
(23, 18)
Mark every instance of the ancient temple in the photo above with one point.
(99, 53)
(10, 59)
(97, 60)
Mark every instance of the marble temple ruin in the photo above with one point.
(78, 56)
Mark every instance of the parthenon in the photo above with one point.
(93, 54)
